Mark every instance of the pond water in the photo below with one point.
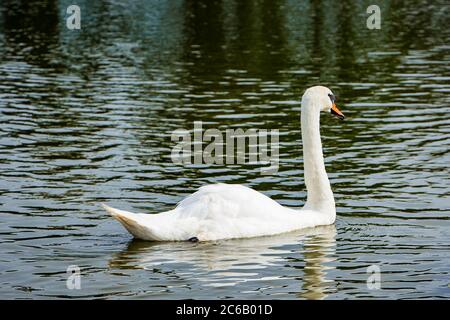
(86, 117)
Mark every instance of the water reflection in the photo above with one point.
(30, 29)
(227, 263)
(319, 253)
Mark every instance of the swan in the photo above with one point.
(227, 211)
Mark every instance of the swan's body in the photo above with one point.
(225, 211)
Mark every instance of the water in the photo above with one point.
(86, 117)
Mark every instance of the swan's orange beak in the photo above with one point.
(335, 111)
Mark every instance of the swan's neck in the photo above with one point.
(320, 196)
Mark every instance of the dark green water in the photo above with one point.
(86, 117)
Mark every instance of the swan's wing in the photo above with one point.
(226, 201)
(233, 211)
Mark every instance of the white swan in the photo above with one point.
(225, 211)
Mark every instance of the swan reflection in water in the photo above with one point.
(302, 255)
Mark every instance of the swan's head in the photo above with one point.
(322, 98)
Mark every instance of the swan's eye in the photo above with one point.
(332, 97)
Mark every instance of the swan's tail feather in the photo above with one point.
(131, 222)
(116, 212)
